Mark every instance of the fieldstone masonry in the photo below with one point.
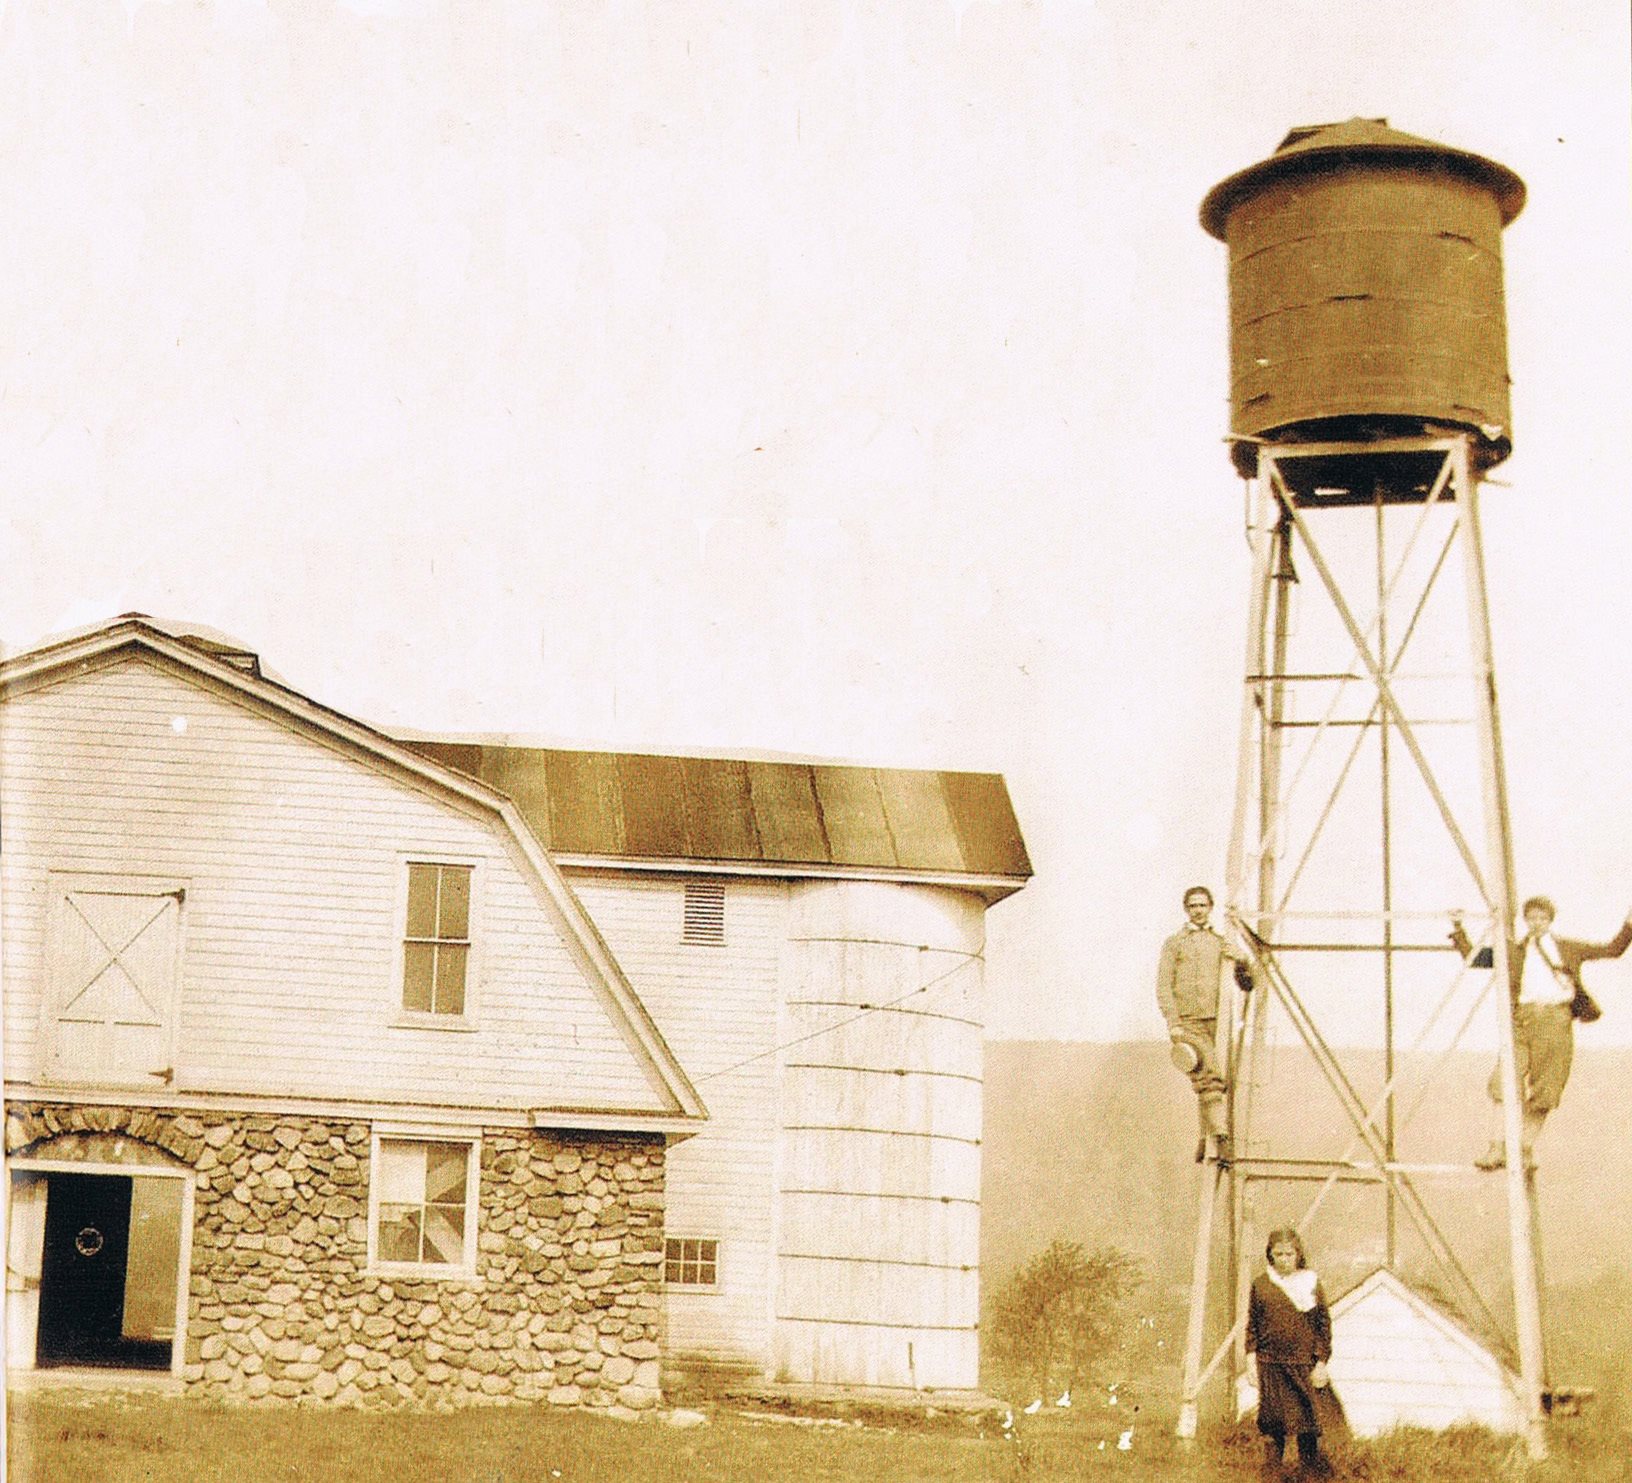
(565, 1306)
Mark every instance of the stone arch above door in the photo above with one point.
(109, 1135)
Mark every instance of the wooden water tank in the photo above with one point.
(1366, 289)
(879, 1167)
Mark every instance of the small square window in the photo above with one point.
(689, 1262)
(436, 942)
(704, 920)
(424, 1205)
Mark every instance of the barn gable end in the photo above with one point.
(277, 837)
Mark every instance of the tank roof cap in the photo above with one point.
(1320, 148)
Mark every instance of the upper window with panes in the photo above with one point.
(436, 940)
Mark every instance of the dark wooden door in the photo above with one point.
(82, 1272)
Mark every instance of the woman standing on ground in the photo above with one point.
(1289, 1340)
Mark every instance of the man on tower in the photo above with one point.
(1545, 982)
(1188, 979)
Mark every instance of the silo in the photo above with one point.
(879, 1168)
(1365, 275)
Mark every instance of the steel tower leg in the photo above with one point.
(1258, 742)
(1521, 1213)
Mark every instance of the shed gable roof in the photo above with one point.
(1383, 1283)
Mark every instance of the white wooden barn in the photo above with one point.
(348, 1066)
(1399, 1359)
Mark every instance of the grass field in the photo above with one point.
(63, 1436)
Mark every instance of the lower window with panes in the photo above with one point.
(691, 1261)
(424, 1206)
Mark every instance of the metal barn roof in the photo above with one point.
(638, 808)
(718, 810)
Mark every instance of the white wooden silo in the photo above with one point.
(879, 1159)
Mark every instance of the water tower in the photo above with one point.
(1369, 401)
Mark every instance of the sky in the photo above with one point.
(833, 379)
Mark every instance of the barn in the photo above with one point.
(344, 1066)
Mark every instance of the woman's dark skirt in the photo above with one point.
(1286, 1399)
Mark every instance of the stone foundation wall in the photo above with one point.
(565, 1306)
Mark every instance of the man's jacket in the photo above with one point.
(1571, 954)
(1187, 976)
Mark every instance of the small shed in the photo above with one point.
(1400, 1359)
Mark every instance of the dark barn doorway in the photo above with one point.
(83, 1277)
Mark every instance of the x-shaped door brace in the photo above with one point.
(114, 953)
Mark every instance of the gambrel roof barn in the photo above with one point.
(381, 1068)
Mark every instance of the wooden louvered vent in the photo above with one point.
(705, 913)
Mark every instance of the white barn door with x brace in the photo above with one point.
(112, 977)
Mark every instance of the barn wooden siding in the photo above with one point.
(292, 854)
(716, 1006)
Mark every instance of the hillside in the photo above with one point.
(1094, 1143)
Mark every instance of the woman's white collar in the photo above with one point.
(1299, 1286)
